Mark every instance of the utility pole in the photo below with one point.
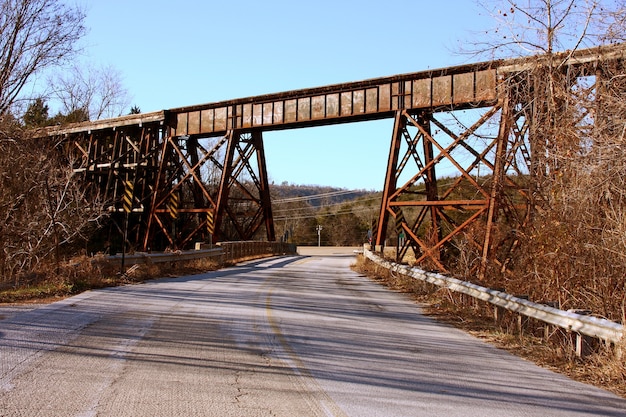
(319, 234)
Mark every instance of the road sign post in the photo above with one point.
(319, 235)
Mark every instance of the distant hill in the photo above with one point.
(314, 195)
(344, 216)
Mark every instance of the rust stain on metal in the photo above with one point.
(384, 97)
(442, 90)
(181, 123)
(268, 114)
(422, 93)
(358, 102)
(304, 109)
(318, 107)
(346, 103)
(193, 123)
(220, 122)
(278, 113)
(486, 85)
(332, 105)
(291, 111)
(207, 118)
(463, 88)
(371, 100)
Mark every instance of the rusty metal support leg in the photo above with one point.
(244, 203)
(158, 185)
(223, 193)
(430, 182)
(196, 188)
(264, 187)
(390, 180)
(497, 180)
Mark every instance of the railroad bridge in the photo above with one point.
(198, 173)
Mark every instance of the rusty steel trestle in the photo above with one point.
(460, 159)
(436, 215)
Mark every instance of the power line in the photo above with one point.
(283, 210)
(313, 216)
(318, 196)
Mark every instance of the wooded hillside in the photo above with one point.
(345, 216)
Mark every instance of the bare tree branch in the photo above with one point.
(35, 34)
(97, 90)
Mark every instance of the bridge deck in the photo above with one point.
(363, 100)
(448, 88)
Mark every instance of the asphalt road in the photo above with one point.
(291, 336)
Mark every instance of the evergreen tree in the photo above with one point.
(37, 114)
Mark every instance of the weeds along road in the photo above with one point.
(290, 336)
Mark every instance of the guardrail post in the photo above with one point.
(521, 320)
(584, 344)
(498, 311)
(497, 314)
(579, 345)
(619, 350)
(547, 331)
(547, 327)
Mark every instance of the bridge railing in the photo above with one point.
(233, 251)
(222, 252)
(579, 324)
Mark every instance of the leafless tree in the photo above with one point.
(34, 35)
(97, 90)
(43, 209)
(612, 27)
(533, 27)
(571, 250)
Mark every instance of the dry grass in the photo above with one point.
(603, 367)
(83, 273)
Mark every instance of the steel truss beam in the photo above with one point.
(244, 205)
(484, 181)
(115, 162)
(183, 204)
(175, 190)
(210, 188)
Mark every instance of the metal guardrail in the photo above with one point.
(242, 250)
(585, 325)
(224, 251)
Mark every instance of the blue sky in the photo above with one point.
(181, 53)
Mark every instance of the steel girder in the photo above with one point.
(183, 203)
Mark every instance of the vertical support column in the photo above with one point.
(390, 179)
(430, 181)
(159, 184)
(243, 201)
(223, 193)
(147, 171)
(112, 158)
(196, 187)
(498, 177)
(264, 187)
